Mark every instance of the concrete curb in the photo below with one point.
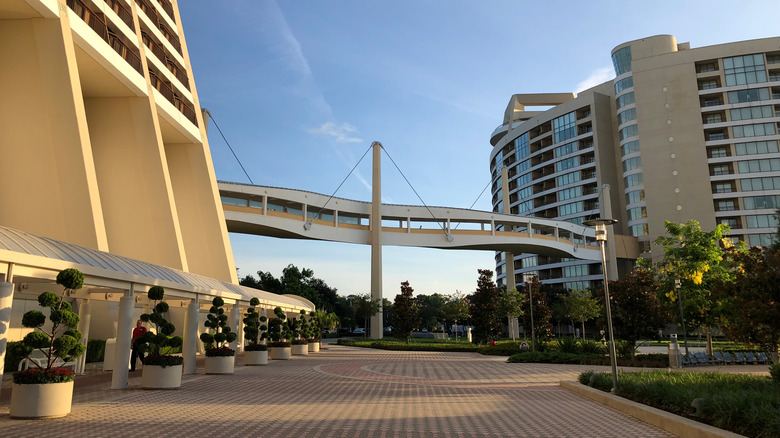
(669, 422)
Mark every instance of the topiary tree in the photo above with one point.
(300, 328)
(59, 344)
(254, 327)
(218, 337)
(279, 329)
(159, 344)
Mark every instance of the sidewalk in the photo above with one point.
(347, 392)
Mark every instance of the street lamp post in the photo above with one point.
(678, 287)
(601, 236)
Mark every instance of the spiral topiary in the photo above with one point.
(160, 344)
(218, 337)
(59, 344)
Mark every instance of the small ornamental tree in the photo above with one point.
(318, 321)
(254, 327)
(539, 315)
(278, 329)
(300, 327)
(155, 344)
(406, 318)
(751, 303)
(456, 309)
(637, 313)
(61, 343)
(218, 338)
(581, 306)
(484, 309)
(511, 304)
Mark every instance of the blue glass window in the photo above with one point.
(564, 127)
(621, 60)
(741, 70)
(624, 84)
(521, 147)
(625, 99)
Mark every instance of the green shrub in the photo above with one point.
(545, 357)
(14, 354)
(96, 350)
(584, 377)
(774, 371)
(740, 403)
(500, 349)
(624, 349)
(566, 345)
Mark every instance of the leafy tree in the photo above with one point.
(636, 310)
(406, 310)
(365, 308)
(155, 342)
(511, 304)
(539, 310)
(581, 306)
(296, 281)
(388, 313)
(219, 335)
(431, 310)
(695, 257)
(751, 302)
(484, 309)
(456, 309)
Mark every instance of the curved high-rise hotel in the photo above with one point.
(679, 134)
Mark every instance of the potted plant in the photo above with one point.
(317, 325)
(256, 353)
(280, 334)
(220, 358)
(162, 370)
(300, 328)
(45, 389)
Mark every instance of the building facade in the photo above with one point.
(102, 134)
(679, 134)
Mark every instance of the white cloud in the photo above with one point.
(341, 134)
(597, 77)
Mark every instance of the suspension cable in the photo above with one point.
(475, 201)
(229, 147)
(307, 225)
(415, 192)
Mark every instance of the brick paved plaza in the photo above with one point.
(345, 392)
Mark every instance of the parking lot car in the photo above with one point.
(359, 331)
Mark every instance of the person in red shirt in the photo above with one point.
(138, 331)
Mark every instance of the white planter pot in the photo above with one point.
(314, 347)
(300, 350)
(220, 364)
(280, 353)
(157, 377)
(50, 400)
(256, 358)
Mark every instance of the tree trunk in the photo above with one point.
(583, 330)
(709, 341)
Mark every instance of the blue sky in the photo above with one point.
(301, 89)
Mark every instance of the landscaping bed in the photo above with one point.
(744, 404)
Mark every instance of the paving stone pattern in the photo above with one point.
(347, 392)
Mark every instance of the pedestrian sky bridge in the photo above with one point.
(298, 214)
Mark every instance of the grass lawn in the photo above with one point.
(744, 404)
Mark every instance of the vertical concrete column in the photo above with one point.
(235, 323)
(606, 213)
(377, 329)
(124, 335)
(240, 330)
(85, 317)
(190, 341)
(6, 301)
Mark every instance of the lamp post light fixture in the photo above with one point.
(678, 288)
(601, 237)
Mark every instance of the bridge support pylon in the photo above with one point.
(377, 325)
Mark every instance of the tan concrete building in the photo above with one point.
(107, 169)
(679, 134)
